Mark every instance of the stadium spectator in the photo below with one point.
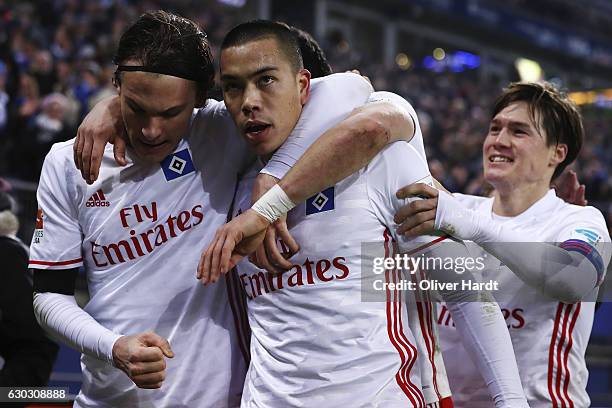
(27, 353)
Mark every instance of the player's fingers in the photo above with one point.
(422, 217)
(119, 151)
(257, 256)
(414, 207)
(97, 151)
(79, 150)
(200, 268)
(142, 368)
(417, 189)
(274, 255)
(206, 262)
(147, 354)
(86, 157)
(155, 340)
(264, 262)
(167, 349)
(573, 193)
(226, 253)
(216, 258)
(75, 156)
(150, 380)
(422, 229)
(581, 195)
(288, 239)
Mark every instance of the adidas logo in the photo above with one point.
(97, 199)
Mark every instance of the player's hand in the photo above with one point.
(569, 188)
(102, 125)
(141, 357)
(235, 240)
(417, 217)
(267, 256)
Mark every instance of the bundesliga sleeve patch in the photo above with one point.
(585, 248)
(178, 164)
(323, 201)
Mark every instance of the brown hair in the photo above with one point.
(558, 115)
(163, 40)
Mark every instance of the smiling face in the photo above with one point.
(263, 92)
(156, 112)
(515, 151)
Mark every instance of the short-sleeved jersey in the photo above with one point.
(315, 342)
(138, 231)
(549, 337)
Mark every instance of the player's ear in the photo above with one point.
(117, 81)
(303, 77)
(559, 154)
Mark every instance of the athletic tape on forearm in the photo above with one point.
(65, 321)
(273, 204)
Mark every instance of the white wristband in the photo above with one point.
(273, 204)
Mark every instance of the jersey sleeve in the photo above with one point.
(56, 243)
(398, 165)
(332, 99)
(584, 231)
(401, 103)
(213, 127)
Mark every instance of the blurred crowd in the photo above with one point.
(55, 64)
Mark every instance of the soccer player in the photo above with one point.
(137, 231)
(433, 377)
(314, 341)
(551, 256)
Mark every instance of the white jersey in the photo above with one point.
(549, 337)
(315, 341)
(138, 231)
(172, 209)
(434, 382)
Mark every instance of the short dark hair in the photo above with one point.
(559, 116)
(162, 39)
(261, 29)
(313, 57)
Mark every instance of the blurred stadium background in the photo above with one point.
(449, 58)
